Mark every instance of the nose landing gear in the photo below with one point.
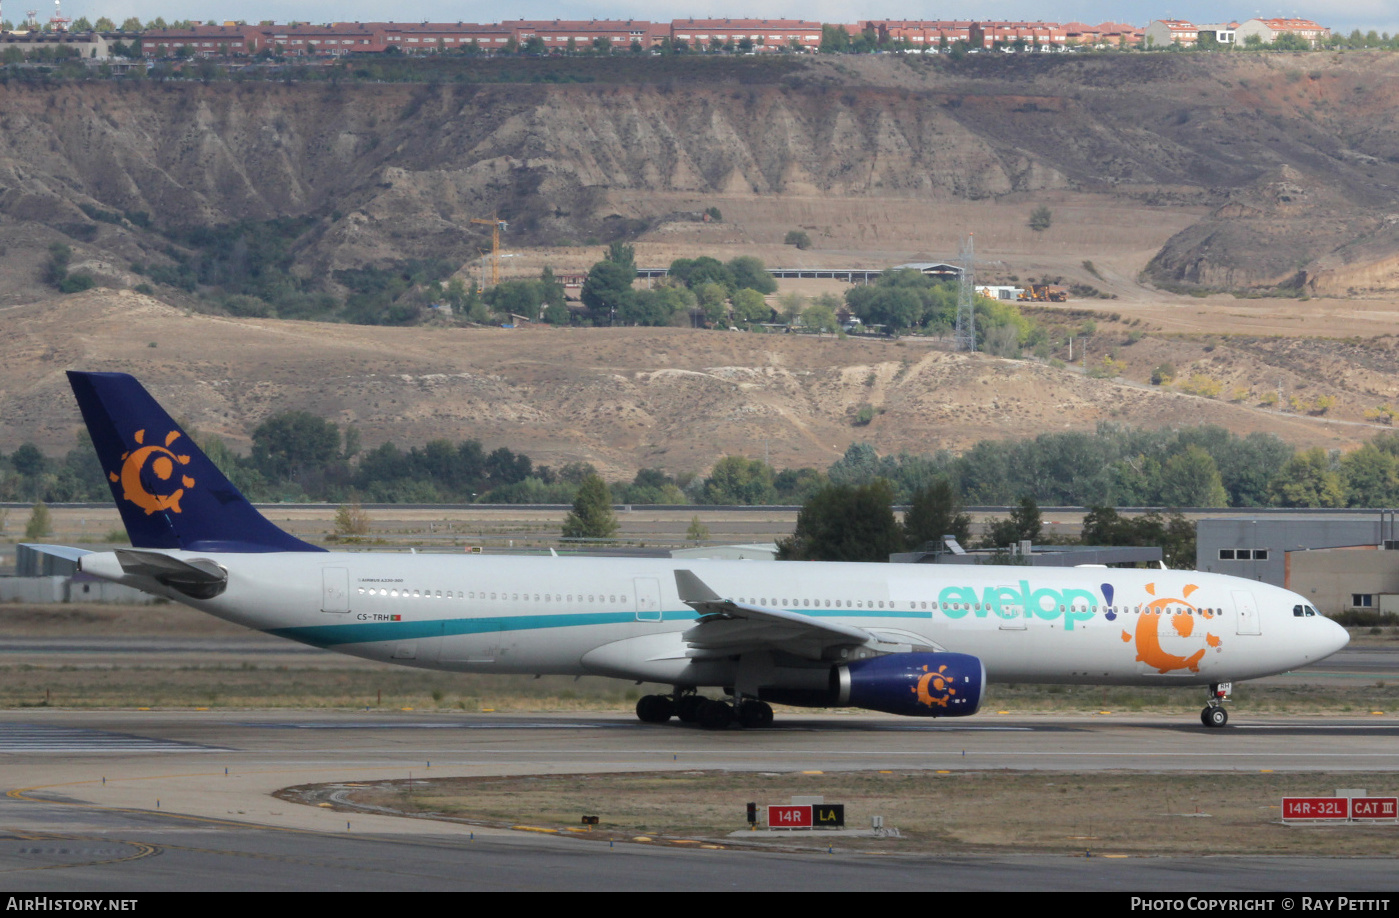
(1214, 715)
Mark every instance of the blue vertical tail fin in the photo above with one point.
(168, 492)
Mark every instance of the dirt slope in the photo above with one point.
(628, 398)
(1266, 168)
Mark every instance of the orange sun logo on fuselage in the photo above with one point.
(930, 683)
(162, 464)
(1182, 621)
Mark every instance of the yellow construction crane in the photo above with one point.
(496, 224)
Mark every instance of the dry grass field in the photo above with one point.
(951, 813)
(679, 399)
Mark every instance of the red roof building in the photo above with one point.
(765, 34)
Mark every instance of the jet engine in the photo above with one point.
(912, 684)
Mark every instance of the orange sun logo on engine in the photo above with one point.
(1182, 618)
(162, 464)
(934, 688)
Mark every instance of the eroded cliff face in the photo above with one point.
(1295, 153)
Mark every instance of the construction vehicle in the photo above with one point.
(1044, 293)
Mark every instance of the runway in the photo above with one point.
(134, 800)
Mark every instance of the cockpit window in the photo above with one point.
(1297, 612)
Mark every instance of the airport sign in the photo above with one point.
(1316, 809)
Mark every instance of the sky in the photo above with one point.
(1382, 15)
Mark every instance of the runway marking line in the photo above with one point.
(142, 850)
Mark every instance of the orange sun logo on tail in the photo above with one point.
(934, 688)
(1182, 618)
(162, 464)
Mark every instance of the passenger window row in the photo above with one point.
(394, 593)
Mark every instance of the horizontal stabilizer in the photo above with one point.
(66, 552)
(198, 578)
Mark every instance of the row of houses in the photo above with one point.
(761, 35)
(1166, 32)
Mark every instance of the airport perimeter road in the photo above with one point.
(123, 801)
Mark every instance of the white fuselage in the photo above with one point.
(624, 617)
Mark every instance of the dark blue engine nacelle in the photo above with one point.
(912, 684)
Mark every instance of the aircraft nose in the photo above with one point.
(1335, 637)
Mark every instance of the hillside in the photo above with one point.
(1217, 170)
(630, 398)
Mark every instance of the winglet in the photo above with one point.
(693, 590)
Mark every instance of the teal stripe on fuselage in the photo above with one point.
(371, 632)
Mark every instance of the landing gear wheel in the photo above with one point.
(654, 709)
(755, 714)
(715, 715)
(1214, 716)
(687, 708)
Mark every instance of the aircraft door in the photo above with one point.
(335, 589)
(1012, 615)
(1246, 613)
(480, 645)
(648, 599)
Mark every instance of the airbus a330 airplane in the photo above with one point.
(920, 640)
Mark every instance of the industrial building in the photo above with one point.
(1337, 559)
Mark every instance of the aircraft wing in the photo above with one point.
(727, 627)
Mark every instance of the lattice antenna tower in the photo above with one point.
(965, 336)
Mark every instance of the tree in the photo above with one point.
(790, 306)
(934, 512)
(29, 460)
(797, 238)
(713, 299)
(1370, 477)
(288, 443)
(698, 532)
(820, 317)
(622, 254)
(1040, 219)
(1191, 479)
(1175, 535)
(750, 272)
(703, 270)
(1024, 524)
(738, 480)
(351, 522)
(845, 523)
(655, 307)
(39, 525)
(591, 516)
(749, 306)
(1307, 480)
(608, 286)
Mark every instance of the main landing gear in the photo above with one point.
(710, 713)
(1214, 714)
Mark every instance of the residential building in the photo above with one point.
(1222, 32)
(1268, 30)
(765, 34)
(1163, 33)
